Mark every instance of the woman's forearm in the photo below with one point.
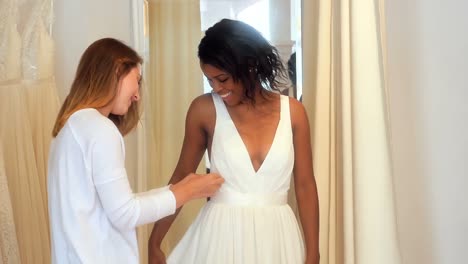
(160, 230)
(309, 214)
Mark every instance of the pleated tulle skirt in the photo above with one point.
(42, 104)
(230, 234)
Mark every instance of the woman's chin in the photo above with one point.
(120, 112)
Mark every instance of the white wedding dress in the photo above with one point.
(28, 103)
(10, 72)
(39, 83)
(248, 221)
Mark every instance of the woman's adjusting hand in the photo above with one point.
(195, 186)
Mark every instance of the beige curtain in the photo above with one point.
(344, 93)
(173, 79)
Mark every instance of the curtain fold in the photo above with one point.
(173, 79)
(344, 92)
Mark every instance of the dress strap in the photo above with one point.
(221, 111)
(285, 112)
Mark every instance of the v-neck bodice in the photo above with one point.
(231, 159)
(248, 220)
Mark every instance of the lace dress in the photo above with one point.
(39, 84)
(21, 132)
(9, 252)
(9, 56)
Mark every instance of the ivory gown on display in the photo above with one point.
(28, 104)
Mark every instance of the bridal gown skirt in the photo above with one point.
(232, 234)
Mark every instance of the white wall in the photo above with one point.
(79, 23)
(428, 91)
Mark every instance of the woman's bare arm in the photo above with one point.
(304, 181)
(193, 148)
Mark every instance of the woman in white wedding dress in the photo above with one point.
(256, 140)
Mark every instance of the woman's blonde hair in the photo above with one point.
(96, 83)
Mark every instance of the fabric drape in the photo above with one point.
(344, 92)
(173, 80)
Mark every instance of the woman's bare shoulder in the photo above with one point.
(298, 112)
(202, 104)
(202, 108)
(203, 100)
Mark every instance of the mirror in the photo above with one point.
(278, 20)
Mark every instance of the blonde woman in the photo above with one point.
(93, 211)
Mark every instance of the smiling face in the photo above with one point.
(223, 84)
(129, 92)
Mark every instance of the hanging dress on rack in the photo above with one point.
(9, 71)
(39, 84)
(16, 136)
(9, 252)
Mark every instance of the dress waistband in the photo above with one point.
(250, 199)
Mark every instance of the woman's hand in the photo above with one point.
(313, 260)
(196, 186)
(156, 256)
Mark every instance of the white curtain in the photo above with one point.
(28, 107)
(344, 91)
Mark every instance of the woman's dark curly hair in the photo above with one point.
(240, 50)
